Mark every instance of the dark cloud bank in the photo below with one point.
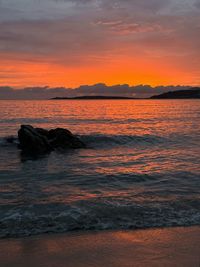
(141, 91)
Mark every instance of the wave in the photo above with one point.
(103, 141)
(8, 141)
(70, 120)
(56, 218)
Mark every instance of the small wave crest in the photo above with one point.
(67, 120)
(100, 140)
(103, 141)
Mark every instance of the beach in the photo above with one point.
(167, 247)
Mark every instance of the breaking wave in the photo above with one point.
(86, 215)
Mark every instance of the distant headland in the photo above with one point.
(89, 97)
(180, 94)
(193, 93)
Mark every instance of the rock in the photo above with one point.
(42, 131)
(32, 141)
(63, 138)
(40, 141)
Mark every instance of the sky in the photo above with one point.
(74, 42)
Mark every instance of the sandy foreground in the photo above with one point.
(150, 248)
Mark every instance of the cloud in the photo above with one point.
(82, 33)
(197, 4)
(28, 10)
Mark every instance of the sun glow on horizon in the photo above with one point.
(124, 71)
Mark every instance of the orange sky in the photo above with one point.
(22, 74)
(69, 43)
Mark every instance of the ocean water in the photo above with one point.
(141, 167)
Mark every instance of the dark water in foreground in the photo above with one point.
(141, 168)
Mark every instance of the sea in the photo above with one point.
(141, 167)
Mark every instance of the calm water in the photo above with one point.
(141, 168)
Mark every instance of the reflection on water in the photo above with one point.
(107, 117)
(141, 167)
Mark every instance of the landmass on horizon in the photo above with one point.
(181, 94)
(92, 97)
(99, 90)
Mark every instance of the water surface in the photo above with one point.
(141, 167)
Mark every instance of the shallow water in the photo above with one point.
(141, 168)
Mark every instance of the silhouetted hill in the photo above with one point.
(88, 97)
(181, 94)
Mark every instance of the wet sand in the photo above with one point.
(167, 247)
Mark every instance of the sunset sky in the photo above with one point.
(69, 43)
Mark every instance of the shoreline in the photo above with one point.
(174, 246)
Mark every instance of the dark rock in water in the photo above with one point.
(40, 141)
(32, 141)
(42, 131)
(63, 138)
